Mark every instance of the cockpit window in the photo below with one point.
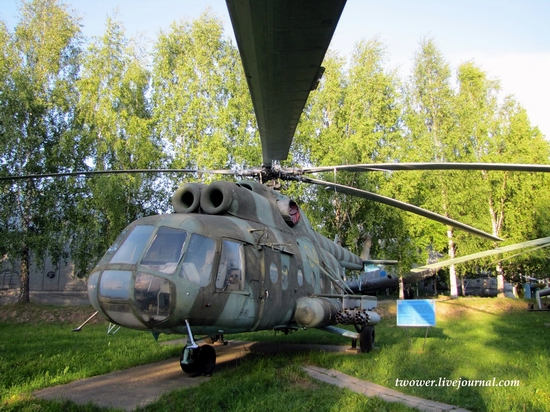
(199, 257)
(166, 250)
(152, 297)
(132, 247)
(230, 270)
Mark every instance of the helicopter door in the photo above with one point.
(277, 288)
(240, 308)
(230, 276)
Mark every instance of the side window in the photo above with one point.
(230, 270)
(198, 261)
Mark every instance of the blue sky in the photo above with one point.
(509, 39)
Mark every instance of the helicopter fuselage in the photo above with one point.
(234, 258)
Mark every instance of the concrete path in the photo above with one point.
(141, 385)
(371, 389)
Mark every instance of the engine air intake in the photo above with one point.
(186, 198)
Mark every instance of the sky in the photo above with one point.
(508, 39)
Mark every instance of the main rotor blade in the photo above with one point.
(530, 243)
(514, 167)
(117, 172)
(401, 205)
(521, 253)
(282, 44)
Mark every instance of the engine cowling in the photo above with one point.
(289, 211)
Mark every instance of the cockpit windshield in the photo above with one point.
(131, 249)
(166, 250)
(163, 254)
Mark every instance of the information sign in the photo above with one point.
(416, 313)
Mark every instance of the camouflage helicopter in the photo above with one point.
(239, 257)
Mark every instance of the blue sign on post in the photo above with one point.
(416, 313)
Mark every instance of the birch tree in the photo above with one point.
(432, 137)
(353, 118)
(501, 133)
(115, 119)
(201, 105)
(38, 68)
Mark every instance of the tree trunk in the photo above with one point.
(24, 295)
(453, 288)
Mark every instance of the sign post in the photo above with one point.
(416, 313)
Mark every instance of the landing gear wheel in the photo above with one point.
(366, 338)
(200, 361)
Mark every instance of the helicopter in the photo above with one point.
(241, 257)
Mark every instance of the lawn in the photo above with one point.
(475, 339)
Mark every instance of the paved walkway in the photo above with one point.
(127, 389)
(141, 385)
(371, 389)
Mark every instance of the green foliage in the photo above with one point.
(470, 124)
(117, 132)
(200, 100)
(38, 69)
(109, 104)
(354, 118)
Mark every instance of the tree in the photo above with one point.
(501, 134)
(432, 137)
(38, 71)
(201, 105)
(116, 133)
(354, 117)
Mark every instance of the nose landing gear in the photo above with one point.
(197, 360)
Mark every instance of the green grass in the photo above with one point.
(35, 355)
(475, 339)
(274, 383)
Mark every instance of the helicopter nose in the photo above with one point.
(136, 302)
